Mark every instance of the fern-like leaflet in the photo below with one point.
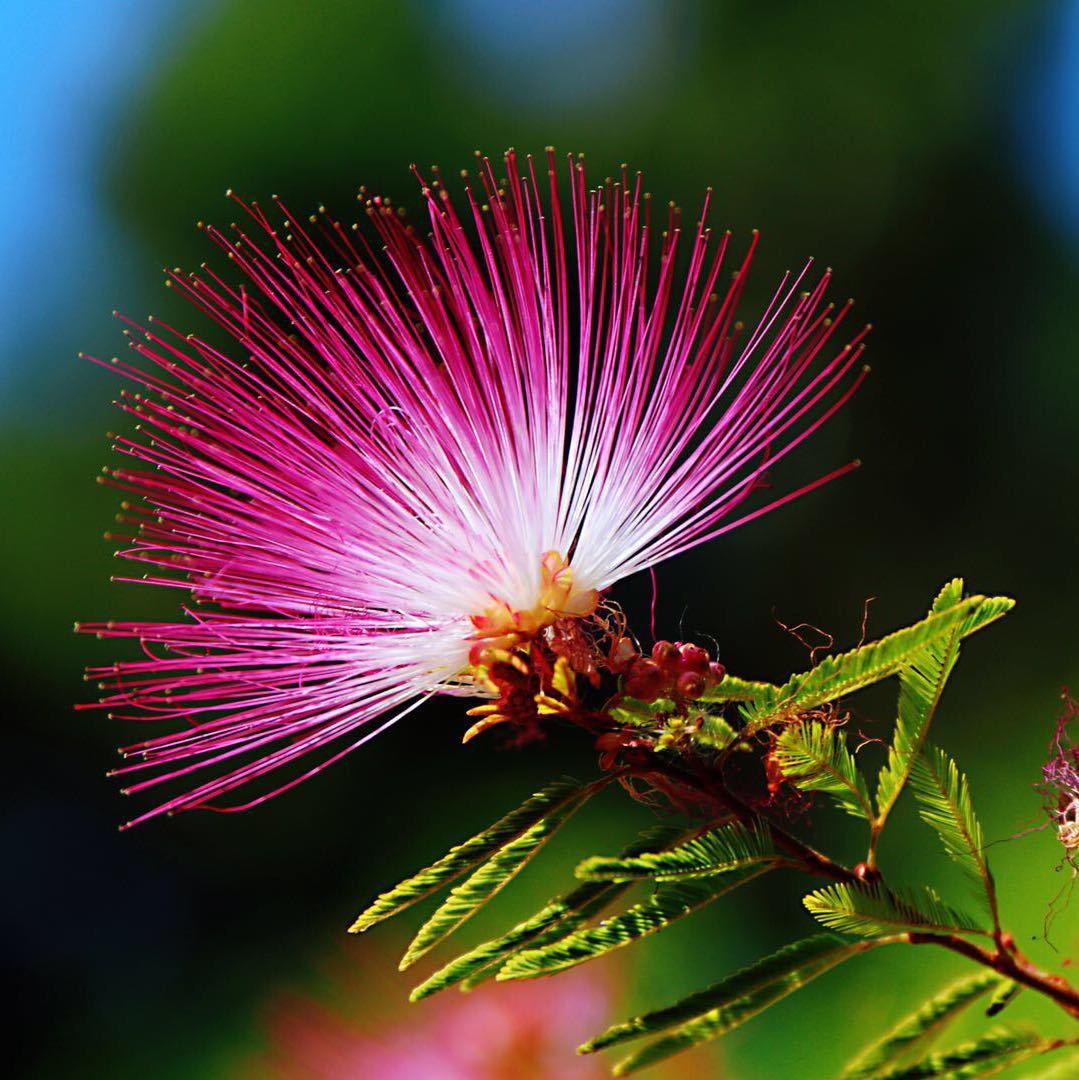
(836, 676)
(555, 919)
(669, 902)
(814, 757)
(762, 985)
(921, 684)
(916, 1031)
(871, 910)
(490, 877)
(944, 803)
(998, 1050)
(782, 972)
(730, 847)
(465, 856)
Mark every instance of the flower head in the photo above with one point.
(411, 460)
(1060, 779)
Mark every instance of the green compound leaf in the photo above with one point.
(741, 995)
(1003, 997)
(993, 1053)
(814, 757)
(710, 730)
(650, 714)
(715, 733)
(718, 851)
(654, 838)
(780, 975)
(668, 903)
(871, 910)
(467, 855)
(1066, 1067)
(489, 878)
(944, 803)
(920, 688)
(836, 676)
(557, 918)
(916, 1031)
(731, 688)
(921, 684)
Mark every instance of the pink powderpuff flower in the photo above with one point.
(407, 456)
(1060, 779)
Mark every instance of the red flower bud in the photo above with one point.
(716, 671)
(690, 684)
(694, 658)
(645, 681)
(666, 655)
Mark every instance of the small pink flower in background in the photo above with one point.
(529, 1034)
(410, 456)
(523, 1031)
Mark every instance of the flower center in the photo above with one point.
(1068, 832)
(502, 627)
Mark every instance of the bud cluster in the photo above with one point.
(675, 670)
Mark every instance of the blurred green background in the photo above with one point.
(929, 152)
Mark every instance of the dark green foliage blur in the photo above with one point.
(890, 141)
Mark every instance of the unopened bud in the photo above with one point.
(666, 655)
(645, 681)
(690, 684)
(694, 658)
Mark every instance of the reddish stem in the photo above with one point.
(1010, 963)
